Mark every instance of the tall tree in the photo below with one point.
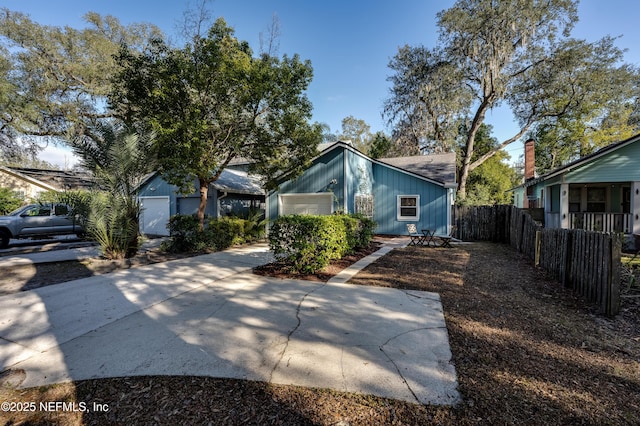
(358, 132)
(428, 101)
(327, 135)
(489, 182)
(517, 54)
(53, 80)
(380, 145)
(567, 138)
(212, 101)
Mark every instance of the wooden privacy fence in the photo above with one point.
(587, 262)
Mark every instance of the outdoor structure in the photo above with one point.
(391, 191)
(598, 192)
(29, 183)
(235, 192)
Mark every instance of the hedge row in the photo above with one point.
(308, 243)
(218, 234)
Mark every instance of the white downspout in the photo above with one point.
(344, 176)
(224, 194)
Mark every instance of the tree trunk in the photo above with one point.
(478, 119)
(204, 191)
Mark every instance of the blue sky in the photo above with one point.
(349, 43)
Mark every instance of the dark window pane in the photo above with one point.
(408, 211)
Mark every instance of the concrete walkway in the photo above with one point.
(210, 316)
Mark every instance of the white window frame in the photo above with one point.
(399, 207)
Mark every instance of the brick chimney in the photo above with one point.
(529, 160)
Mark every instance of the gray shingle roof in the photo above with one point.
(59, 179)
(439, 167)
(238, 182)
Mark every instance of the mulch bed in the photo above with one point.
(526, 351)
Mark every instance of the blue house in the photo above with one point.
(391, 191)
(235, 192)
(598, 192)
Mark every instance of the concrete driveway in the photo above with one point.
(210, 316)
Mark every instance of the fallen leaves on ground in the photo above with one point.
(526, 351)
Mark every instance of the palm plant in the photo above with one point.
(119, 159)
(113, 227)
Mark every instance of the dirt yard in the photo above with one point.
(526, 352)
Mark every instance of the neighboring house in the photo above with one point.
(392, 191)
(234, 192)
(29, 183)
(599, 192)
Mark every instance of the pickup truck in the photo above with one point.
(38, 220)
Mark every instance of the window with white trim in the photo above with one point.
(408, 207)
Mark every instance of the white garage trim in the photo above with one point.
(313, 203)
(154, 216)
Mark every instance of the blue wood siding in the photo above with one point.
(156, 187)
(621, 165)
(317, 178)
(179, 203)
(390, 183)
(360, 179)
(365, 177)
(519, 195)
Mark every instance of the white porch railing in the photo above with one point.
(601, 222)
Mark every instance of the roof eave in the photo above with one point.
(31, 180)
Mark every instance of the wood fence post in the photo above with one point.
(613, 307)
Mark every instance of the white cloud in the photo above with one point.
(60, 156)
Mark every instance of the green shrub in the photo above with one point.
(218, 234)
(255, 225)
(224, 232)
(309, 243)
(185, 234)
(113, 223)
(9, 201)
(365, 230)
(351, 226)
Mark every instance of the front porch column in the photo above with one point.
(565, 222)
(635, 207)
(547, 194)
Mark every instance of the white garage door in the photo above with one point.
(155, 215)
(318, 204)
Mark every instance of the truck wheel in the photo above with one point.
(4, 239)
